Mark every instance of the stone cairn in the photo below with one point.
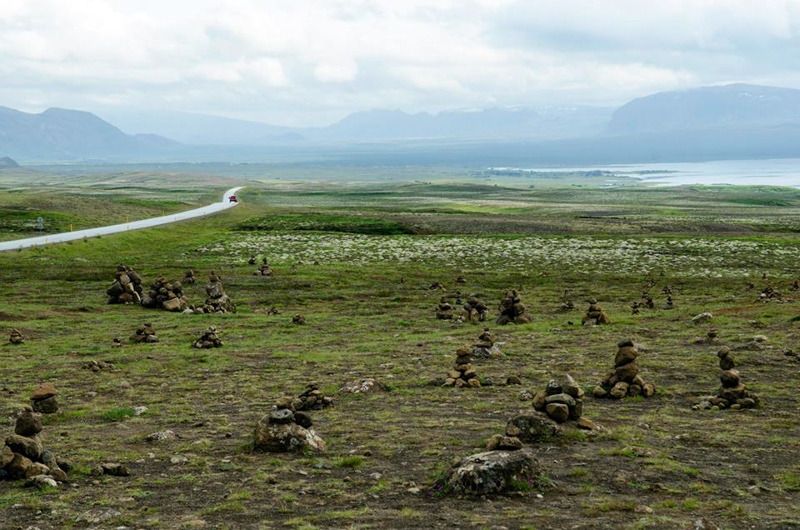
(126, 288)
(44, 399)
(285, 430)
(595, 315)
(476, 309)
(298, 319)
(512, 310)
(566, 304)
(217, 301)
(144, 335)
(624, 380)
(208, 339)
(560, 401)
(733, 394)
(647, 301)
(189, 278)
(166, 295)
(485, 346)
(444, 311)
(23, 455)
(264, 269)
(16, 337)
(252, 260)
(462, 374)
(312, 398)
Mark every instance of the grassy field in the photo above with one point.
(356, 260)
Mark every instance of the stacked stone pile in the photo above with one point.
(298, 319)
(512, 310)
(144, 334)
(16, 337)
(476, 309)
(312, 398)
(23, 455)
(769, 293)
(126, 288)
(264, 269)
(189, 278)
(166, 295)
(647, 301)
(98, 366)
(208, 339)
(733, 394)
(444, 311)
(463, 374)
(624, 380)
(560, 401)
(285, 429)
(44, 400)
(217, 301)
(486, 346)
(595, 315)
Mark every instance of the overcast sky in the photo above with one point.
(311, 62)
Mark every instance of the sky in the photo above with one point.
(312, 62)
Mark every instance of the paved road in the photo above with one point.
(224, 204)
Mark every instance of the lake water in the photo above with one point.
(772, 172)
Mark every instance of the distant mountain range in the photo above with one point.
(61, 134)
(733, 121)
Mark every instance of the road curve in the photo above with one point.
(224, 204)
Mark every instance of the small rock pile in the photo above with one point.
(733, 394)
(366, 385)
(463, 374)
(595, 315)
(512, 310)
(217, 301)
(298, 319)
(189, 278)
(126, 288)
(624, 380)
(16, 337)
(312, 398)
(710, 338)
(286, 430)
(144, 334)
(476, 309)
(24, 457)
(98, 366)
(166, 295)
(647, 301)
(486, 346)
(444, 311)
(44, 399)
(560, 401)
(264, 269)
(769, 293)
(208, 339)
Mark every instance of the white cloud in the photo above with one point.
(309, 61)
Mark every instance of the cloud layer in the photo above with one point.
(309, 62)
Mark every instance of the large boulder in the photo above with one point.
(285, 437)
(533, 427)
(29, 447)
(493, 472)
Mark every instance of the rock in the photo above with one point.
(625, 355)
(558, 412)
(513, 380)
(282, 438)
(493, 472)
(703, 524)
(303, 420)
(565, 399)
(41, 482)
(6, 456)
(44, 391)
(500, 442)
(702, 318)
(36, 468)
(533, 427)
(363, 386)
(115, 469)
(18, 466)
(58, 475)
(648, 390)
(29, 447)
(599, 392)
(46, 406)
(99, 515)
(540, 400)
(553, 387)
(161, 436)
(626, 372)
(619, 391)
(281, 417)
(747, 403)
(571, 387)
(28, 424)
(586, 424)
